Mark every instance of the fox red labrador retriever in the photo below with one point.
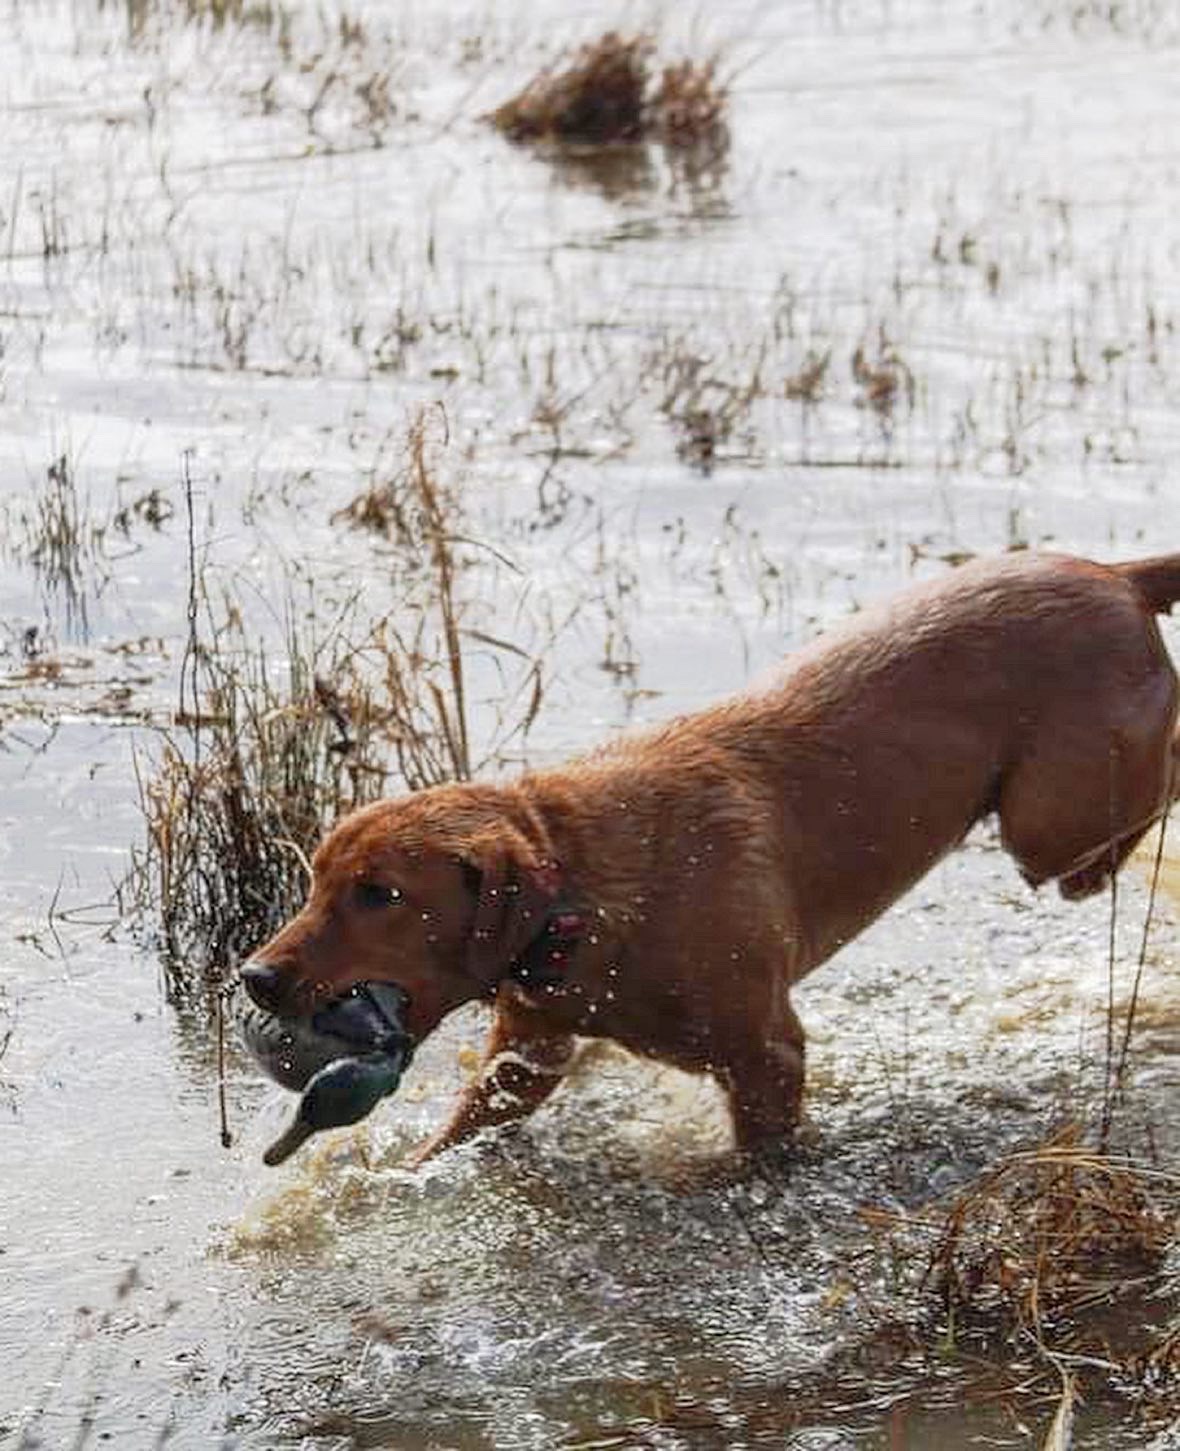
(667, 890)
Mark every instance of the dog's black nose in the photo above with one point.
(263, 984)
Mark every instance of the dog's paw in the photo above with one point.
(769, 1162)
(1084, 883)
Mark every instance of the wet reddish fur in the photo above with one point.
(723, 856)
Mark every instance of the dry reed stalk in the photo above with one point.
(437, 530)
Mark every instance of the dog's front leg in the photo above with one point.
(523, 1062)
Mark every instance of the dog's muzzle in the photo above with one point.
(345, 1058)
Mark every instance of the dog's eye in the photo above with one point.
(373, 894)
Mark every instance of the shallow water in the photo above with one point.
(222, 252)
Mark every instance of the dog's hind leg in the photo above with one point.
(1095, 875)
(1074, 812)
(763, 1080)
(524, 1060)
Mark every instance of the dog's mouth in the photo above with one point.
(345, 1058)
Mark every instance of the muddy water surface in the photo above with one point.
(246, 246)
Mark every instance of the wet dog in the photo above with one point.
(666, 891)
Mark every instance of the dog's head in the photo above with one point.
(437, 894)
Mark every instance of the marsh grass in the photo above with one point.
(1047, 1234)
(597, 98)
(59, 535)
(241, 791)
(266, 752)
(806, 386)
(707, 409)
(885, 379)
(687, 108)
(606, 94)
(1047, 1249)
(216, 13)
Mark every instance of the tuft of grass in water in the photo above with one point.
(242, 790)
(705, 408)
(413, 509)
(687, 108)
(1046, 1249)
(807, 385)
(1049, 1233)
(606, 95)
(62, 541)
(265, 754)
(263, 14)
(598, 98)
(57, 531)
(885, 380)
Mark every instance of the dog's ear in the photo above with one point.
(513, 888)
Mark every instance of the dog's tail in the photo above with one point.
(1157, 580)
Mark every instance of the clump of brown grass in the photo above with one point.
(597, 98)
(58, 534)
(427, 717)
(705, 408)
(885, 380)
(807, 385)
(418, 660)
(242, 791)
(263, 14)
(405, 500)
(1048, 1233)
(1053, 1273)
(606, 95)
(1045, 1238)
(688, 106)
(259, 764)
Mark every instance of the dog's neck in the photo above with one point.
(545, 961)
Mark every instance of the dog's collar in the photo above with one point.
(546, 959)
